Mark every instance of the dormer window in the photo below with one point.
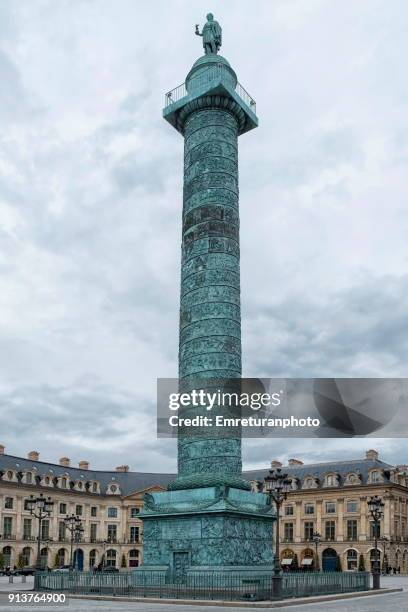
(293, 484)
(352, 479)
(113, 489)
(28, 478)
(64, 483)
(375, 476)
(331, 480)
(310, 483)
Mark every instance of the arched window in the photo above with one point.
(375, 476)
(64, 483)
(26, 556)
(7, 552)
(287, 559)
(61, 557)
(307, 559)
(29, 478)
(94, 487)
(351, 556)
(92, 558)
(111, 558)
(9, 475)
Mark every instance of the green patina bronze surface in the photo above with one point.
(209, 518)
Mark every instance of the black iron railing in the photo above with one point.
(198, 585)
(213, 74)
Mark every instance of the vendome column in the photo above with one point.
(209, 520)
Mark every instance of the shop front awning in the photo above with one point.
(286, 561)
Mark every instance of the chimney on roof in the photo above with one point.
(65, 461)
(83, 465)
(33, 456)
(372, 454)
(122, 468)
(2, 449)
(275, 463)
(295, 462)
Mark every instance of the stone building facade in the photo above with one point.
(328, 498)
(108, 504)
(331, 499)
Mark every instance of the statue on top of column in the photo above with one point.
(212, 35)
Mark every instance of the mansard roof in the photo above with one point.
(320, 470)
(127, 481)
(130, 482)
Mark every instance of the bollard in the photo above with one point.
(11, 579)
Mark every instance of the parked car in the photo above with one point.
(63, 568)
(110, 568)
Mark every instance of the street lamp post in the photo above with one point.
(375, 508)
(74, 526)
(40, 508)
(316, 537)
(79, 532)
(384, 541)
(277, 486)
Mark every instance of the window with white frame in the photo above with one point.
(352, 505)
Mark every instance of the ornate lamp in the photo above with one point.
(376, 509)
(40, 508)
(316, 537)
(277, 486)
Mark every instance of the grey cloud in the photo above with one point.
(307, 336)
(91, 200)
(131, 172)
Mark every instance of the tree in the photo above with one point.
(123, 561)
(361, 564)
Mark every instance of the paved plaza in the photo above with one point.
(398, 602)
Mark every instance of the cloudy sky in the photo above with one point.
(90, 207)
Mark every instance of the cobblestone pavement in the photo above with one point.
(378, 603)
(17, 584)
